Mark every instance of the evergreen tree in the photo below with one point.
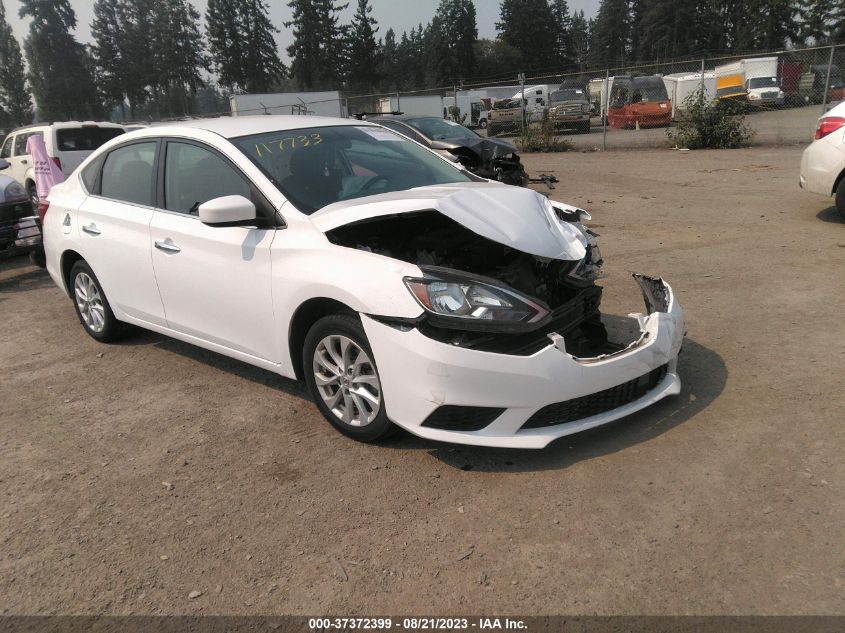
(669, 29)
(579, 37)
(59, 66)
(15, 102)
(454, 35)
(496, 59)
(564, 55)
(364, 56)
(107, 52)
(178, 55)
(140, 75)
(609, 34)
(319, 44)
(388, 55)
(529, 26)
(241, 45)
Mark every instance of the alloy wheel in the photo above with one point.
(346, 380)
(90, 302)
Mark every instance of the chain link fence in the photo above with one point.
(782, 94)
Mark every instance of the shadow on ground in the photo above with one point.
(831, 215)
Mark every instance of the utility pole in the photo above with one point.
(522, 96)
(604, 108)
(827, 79)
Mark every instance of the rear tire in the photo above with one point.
(840, 199)
(92, 307)
(341, 374)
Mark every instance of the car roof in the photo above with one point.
(235, 126)
(60, 125)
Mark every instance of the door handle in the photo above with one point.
(24, 162)
(91, 229)
(168, 247)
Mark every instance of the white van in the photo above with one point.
(68, 144)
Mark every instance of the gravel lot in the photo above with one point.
(132, 475)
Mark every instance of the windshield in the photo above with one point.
(440, 129)
(763, 82)
(316, 167)
(568, 94)
(648, 92)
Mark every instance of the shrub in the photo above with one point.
(710, 124)
(541, 137)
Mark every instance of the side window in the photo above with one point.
(6, 151)
(90, 173)
(20, 142)
(128, 174)
(193, 175)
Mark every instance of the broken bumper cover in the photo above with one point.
(489, 399)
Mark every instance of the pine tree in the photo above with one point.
(319, 44)
(388, 55)
(59, 66)
(178, 55)
(529, 26)
(241, 45)
(609, 34)
(579, 37)
(564, 55)
(496, 59)
(455, 37)
(364, 57)
(107, 29)
(15, 102)
(669, 29)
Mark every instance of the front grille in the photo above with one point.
(595, 403)
(456, 418)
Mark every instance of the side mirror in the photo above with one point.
(227, 211)
(4, 164)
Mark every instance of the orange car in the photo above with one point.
(639, 101)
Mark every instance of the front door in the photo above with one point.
(214, 281)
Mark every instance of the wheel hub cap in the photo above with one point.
(347, 381)
(89, 302)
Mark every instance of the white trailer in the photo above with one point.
(536, 97)
(753, 78)
(472, 107)
(679, 86)
(419, 105)
(598, 91)
(327, 103)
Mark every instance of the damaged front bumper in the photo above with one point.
(452, 394)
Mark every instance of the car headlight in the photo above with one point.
(464, 302)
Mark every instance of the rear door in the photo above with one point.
(214, 281)
(72, 145)
(114, 224)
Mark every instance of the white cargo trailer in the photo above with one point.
(679, 86)
(598, 91)
(327, 103)
(420, 105)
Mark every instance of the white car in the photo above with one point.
(67, 144)
(823, 162)
(403, 289)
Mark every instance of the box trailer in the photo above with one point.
(420, 105)
(598, 91)
(755, 79)
(472, 108)
(327, 103)
(679, 86)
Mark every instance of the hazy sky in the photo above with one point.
(401, 15)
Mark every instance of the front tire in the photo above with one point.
(343, 379)
(92, 307)
(840, 199)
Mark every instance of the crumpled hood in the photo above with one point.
(513, 216)
(486, 148)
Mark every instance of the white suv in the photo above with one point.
(68, 144)
(823, 162)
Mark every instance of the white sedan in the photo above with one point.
(404, 290)
(823, 162)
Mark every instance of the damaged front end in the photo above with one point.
(480, 294)
(493, 159)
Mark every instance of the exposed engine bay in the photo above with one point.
(495, 161)
(435, 243)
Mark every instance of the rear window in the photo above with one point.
(84, 139)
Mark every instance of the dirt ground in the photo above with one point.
(134, 474)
